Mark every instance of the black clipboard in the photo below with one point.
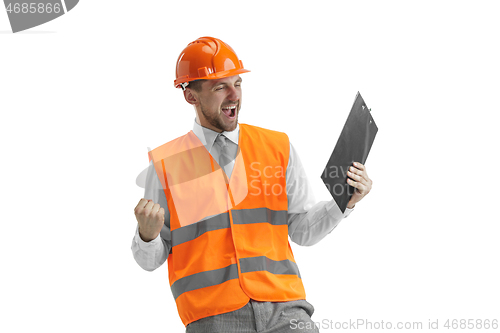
(353, 145)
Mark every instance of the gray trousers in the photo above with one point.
(262, 317)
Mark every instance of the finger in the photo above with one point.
(161, 214)
(142, 203)
(361, 175)
(146, 209)
(155, 209)
(354, 176)
(351, 182)
(357, 185)
(149, 207)
(359, 172)
(356, 171)
(359, 166)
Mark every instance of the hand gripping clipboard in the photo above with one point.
(353, 145)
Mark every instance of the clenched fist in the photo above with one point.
(150, 217)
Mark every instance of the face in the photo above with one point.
(218, 103)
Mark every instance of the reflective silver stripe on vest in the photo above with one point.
(260, 215)
(265, 264)
(204, 279)
(221, 221)
(192, 231)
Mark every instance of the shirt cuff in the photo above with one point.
(348, 211)
(333, 209)
(146, 245)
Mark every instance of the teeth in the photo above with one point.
(229, 107)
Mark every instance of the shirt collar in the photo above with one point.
(207, 136)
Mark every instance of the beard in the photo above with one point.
(217, 122)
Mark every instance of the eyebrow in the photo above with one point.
(225, 84)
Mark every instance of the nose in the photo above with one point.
(234, 94)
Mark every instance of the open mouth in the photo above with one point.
(229, 111)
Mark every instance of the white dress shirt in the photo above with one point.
(308, 221)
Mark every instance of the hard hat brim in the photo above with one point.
(213, 76)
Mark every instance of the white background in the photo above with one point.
(83, 96)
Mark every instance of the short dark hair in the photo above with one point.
(196, 85)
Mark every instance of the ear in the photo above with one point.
(190, 96)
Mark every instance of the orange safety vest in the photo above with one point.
(229, 238)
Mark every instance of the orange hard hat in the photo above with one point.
(206, 58)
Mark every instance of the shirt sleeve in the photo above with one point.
(308, 221)
(151, 255)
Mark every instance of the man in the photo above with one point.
(220, 204)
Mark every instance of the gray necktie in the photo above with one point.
(226, 160)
